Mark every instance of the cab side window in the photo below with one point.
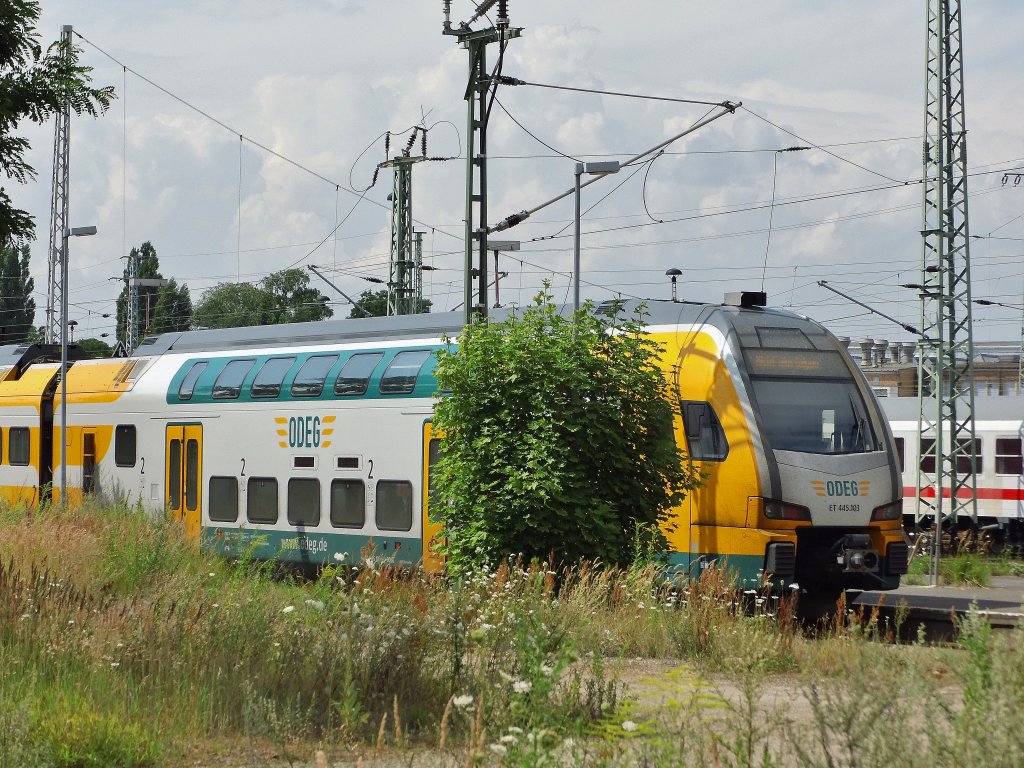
(705, 438)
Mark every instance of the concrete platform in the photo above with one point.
(1002, 603)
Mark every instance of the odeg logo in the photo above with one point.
(841, 488)
(304, 431)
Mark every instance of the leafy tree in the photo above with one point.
(173, 310)
(34, 86)
(376, 303)
(17, 307)
(283, 297)
(557, 439)
(233, 305)
(149, 268)
(96, 347)
(292, 300)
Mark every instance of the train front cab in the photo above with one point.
(800, 483)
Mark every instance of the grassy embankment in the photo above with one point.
(120, 645)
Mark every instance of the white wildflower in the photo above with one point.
(341, 556)
(522, 686)
(546, 670)
(628, 725)
(212, 574)
(499, 749)
(463, 701)
(318, 604)
(288, 609)
(509, 738)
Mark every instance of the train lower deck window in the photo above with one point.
(394, 505)
(188, 384)
(348, 504)
(125, 445)
(270, 376)
(901, 452)
(705, 438)
(261, 500)
(963, 459)
(1, 446)
(309, 381)
(355, 374)
(223, 501)
(400, 376)
(228, 385)
(304, 501)
(19, 446)
(1008, 456)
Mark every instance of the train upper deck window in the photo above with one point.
(1008, 456)
(309, 381)
(19, 446)
(400, 376)
(304, 501)
(705, 437)
(1, 445)
(269, 377)
(783, 338)
(228, 385)
(223, 499)
(348, 503)
(963, 459)
(394, 505)
(188, 384)
(355, 373)
(261, 500)
(125, 444)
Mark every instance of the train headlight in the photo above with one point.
(780, 510)
(891, 511)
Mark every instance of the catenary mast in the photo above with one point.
(945, 475)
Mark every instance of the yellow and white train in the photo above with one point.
(308, 442)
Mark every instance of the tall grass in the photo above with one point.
(122, 645)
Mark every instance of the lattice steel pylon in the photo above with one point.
(131, 326)
(945, 476)
(478, 88)
(401, 291)
(58, 213)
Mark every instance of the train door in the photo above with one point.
(183, 474)
(432, 559)
(88, 461)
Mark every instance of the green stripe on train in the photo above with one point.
(746, 570)
(311, 547)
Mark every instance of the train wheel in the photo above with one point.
(996, 542)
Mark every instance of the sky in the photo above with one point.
(246, 135)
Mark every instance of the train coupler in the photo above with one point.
(854, 554)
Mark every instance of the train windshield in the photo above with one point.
(809, 402)
(814, 416)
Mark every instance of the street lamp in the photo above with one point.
(673, 273)
(603, 168)
(68, 232)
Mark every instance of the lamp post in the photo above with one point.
(67, 233)
(674, 273)
(603, 168)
